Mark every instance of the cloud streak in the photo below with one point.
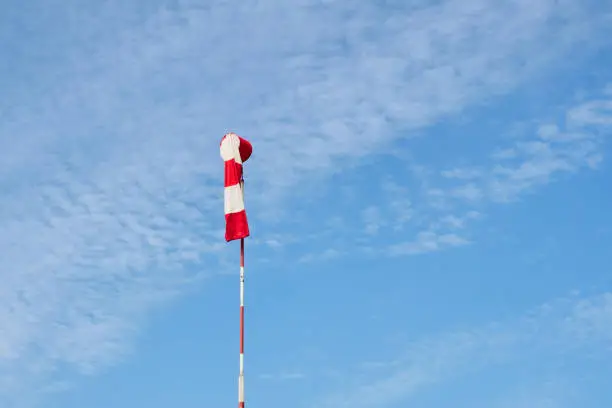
(449, 200)
(555, 149)
(555, 329)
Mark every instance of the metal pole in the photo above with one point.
(241, 374)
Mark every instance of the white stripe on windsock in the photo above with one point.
(230, 148)
(233, 199)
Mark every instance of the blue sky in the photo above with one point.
(429, 202)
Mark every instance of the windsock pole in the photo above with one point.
(241, 373)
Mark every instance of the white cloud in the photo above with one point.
(556, 328)
(533, 160)
(373, 220)
(504, 154)
(469, 192)
(454, 222)
(546, 394)
(552, 150)
(463, 174)
(285, 376)
(326, 255)
(592, 113)
(428, 241)
(557, 152)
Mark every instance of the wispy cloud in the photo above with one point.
(448, 201)
(437, 213)
(428, 242)
(282, 376)
(325, 255)
(545, 394)
(554, 329)
(553, 149)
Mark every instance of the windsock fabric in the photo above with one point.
(234, 152)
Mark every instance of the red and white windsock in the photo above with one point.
(235, 151)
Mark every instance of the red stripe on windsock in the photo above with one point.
(233, 173)
(236, 226)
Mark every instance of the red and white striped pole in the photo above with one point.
(241, 373)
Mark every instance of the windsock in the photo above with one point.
(235, 151)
